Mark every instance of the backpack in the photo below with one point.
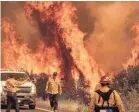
(105, 96)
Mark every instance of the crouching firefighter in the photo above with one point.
(106, 99)
(53, 88)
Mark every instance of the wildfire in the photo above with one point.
(66, 55)
(17, 55)
(48, 59)
(63, 14)
(134, 60)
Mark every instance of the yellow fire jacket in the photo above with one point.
(117, 100)
(11, 84)
(53, 86)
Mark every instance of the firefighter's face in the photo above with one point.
(54, 76)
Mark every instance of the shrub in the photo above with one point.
(127, 83)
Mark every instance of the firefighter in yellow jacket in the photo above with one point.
(53, 88)
(106, 99)
(11, 89)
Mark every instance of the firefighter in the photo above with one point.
(106, 99)
(11, 89)
(53, 88)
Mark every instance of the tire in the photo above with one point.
(32, 106)
(3, 106)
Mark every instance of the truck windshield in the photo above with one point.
(17, 76)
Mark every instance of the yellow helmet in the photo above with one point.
(105, 79)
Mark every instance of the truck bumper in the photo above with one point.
(21, 99)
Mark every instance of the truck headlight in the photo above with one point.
(1, 89)
(33, 89)
(33, 93)
(2, 92)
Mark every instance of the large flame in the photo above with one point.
(17, 55)
(49, 59)
(63, 13)
(134, 60)
(66, 55)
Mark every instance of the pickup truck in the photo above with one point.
(27, 92)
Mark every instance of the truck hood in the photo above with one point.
(27, 84)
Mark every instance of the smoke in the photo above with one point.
(107, 25)
(33, 53)
(28, 33)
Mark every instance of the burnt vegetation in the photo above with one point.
(126, 83)
(127, 80)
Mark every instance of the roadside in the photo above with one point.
(64, 106)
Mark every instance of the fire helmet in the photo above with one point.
(55, 74)
(105, 79)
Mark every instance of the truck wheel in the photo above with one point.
(32, 106)
(3, 106)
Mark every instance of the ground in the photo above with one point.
(43, 106)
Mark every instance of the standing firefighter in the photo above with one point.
(106, 99)
(53, 88)
(11, 88)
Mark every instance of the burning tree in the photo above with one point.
(60, 46)
(64, 50)
(134, 60)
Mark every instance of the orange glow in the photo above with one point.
(134, 60)
(63, 13)
(67, 40)
(49, 59)
(17, 55)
